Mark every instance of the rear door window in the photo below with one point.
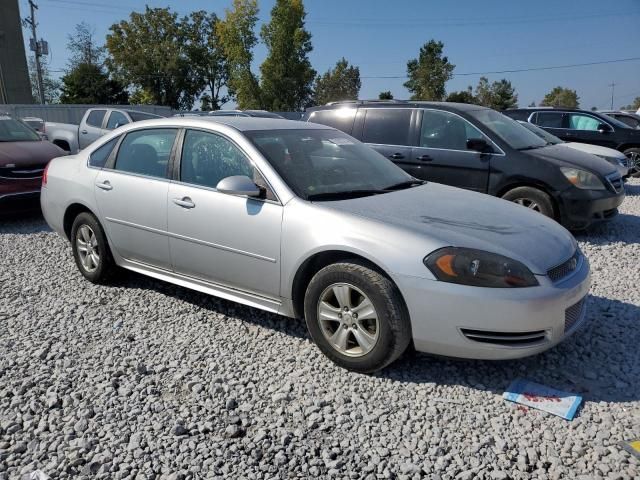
(340, 118)
(583, 122)
(116, 119)
(146, 152)
(549, 119)
(386, 126)
(95, 118)
(447, 131)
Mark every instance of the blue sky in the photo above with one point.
(380, 36)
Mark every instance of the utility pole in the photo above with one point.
(36, 47)
(613, 86)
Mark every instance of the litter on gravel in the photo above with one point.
(633, 447)
(541, 397)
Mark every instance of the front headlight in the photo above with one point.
(582, 179)
(477, 268)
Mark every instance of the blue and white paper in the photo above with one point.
(541, 397)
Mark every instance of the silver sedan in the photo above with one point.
(303, 220)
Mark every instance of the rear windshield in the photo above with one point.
(11, 130)
(139, 116)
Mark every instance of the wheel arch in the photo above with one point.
(63, 144)
(626, 146)
(70, 214)
(555, 202)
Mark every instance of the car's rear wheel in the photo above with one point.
(634, 155)
(90, 249)
(531, 198)
(356, 316)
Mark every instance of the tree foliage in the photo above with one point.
(83, 47)
(498, 95)
(429, 73)
(635, 105)
(286, 74)
(463, 96)
(149, 52)
(237, 39)
(87, 83)
(51, 85)
(340, 83)
(386, 95)
(561, 97)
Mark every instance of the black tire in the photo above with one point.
(393, 325)
(629, 152)
(106, 267)
(528, 196)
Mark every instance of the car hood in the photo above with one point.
(22, 154)
(595, 149)
(570, 157)
(450, 216)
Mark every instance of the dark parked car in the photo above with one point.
(630, 119)
(23, 157)
(479, 149)
(573, 125)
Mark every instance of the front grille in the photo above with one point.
(507, 339)
(566, 268)
(615, 182)
(19, 173)
(573, 315)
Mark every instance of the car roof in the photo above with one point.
(239, 123)
(454, 106)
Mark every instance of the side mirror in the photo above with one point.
(479, 145)
(604, 128)
(238, 185)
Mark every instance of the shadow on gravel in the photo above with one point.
(23, 223)
(601, 361)
(624, 228)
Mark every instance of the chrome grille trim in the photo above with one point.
(615, 182)
(574, 315)
(566, 268)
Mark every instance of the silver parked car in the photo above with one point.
(305, 221)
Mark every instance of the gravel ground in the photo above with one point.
(146, 380)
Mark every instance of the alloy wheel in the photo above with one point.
(87, 245)
(348, 319)
(527, 202)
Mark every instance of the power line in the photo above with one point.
(518, 70)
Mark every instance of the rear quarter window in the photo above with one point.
(99, 156)
(340, 118)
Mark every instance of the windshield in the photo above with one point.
(315, 163)
(543, 134)
(11, 130)
(509, 130)
(616, 123)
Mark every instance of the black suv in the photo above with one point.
(479, 149)
(572, 125)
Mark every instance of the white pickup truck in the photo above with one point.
(95, 123)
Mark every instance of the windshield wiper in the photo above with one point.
(532, 147)
(344, 194)
(407, 184)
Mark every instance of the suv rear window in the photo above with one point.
(95, 118)
(387, 126)
(341, 118)
(549, 119)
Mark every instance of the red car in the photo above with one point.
(23, 157)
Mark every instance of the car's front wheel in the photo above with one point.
(90, 249)
(356, 316)
(634, 155)
(531, 198)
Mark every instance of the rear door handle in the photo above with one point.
(106, 185)
(84, 132)
(184, 202)
(424, 158)
(396, 156)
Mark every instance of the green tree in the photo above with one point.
(340, 83)
(498, 95)
(386, 95)
(532, 104)
(286, 74)
(561, 97)
(141, 97)
(83, 47)
(429, 73)
(463, 96)
(635, 105)
(237, 38)
(206, 57)
(51, 85)
(87, 83)
(148, 52)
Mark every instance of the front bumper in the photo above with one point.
(494, 323)
(581, 208)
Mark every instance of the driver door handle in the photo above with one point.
(396, 156)
(184, 202)
(425, 158)
(106, 185)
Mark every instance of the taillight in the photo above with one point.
(44, 174)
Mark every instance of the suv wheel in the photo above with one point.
(90, 249)
(356, 316)
(531, 198)
(634, 155)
